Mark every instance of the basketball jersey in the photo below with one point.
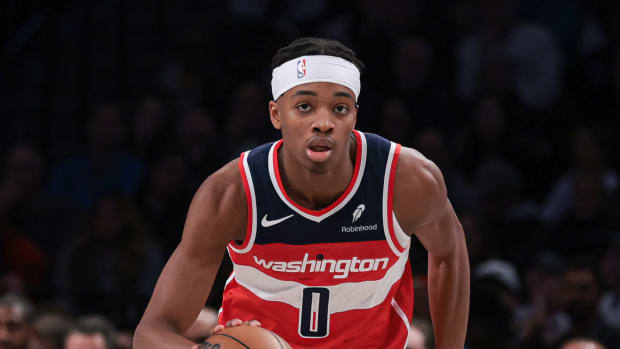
(328, 278)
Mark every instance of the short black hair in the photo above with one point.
(16, 300)
(315, 46)
(92, 325)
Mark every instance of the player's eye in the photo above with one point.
(303, 107)
(341, 109)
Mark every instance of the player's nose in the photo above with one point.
(323, 122)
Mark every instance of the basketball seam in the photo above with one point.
(278, 339)
(233, 338)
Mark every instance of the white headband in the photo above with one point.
(306, 69)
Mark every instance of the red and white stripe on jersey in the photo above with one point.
(344, 296)
(319, 215)
(354, 308)
(362, 328)
(250, 198)
(395, 236)
(320, 264)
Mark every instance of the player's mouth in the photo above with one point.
(320, 148)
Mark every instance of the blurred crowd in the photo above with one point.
(114, 112)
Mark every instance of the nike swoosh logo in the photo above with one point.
(266, 223)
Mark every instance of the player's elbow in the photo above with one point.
(145, 334)
(452, 247)
(139, 335)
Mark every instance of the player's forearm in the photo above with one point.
(449, 296)
(150, 334)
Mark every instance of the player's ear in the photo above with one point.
(274, 115)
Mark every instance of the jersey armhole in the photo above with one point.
(250, 198)
(396, 237)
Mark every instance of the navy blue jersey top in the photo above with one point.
(319, 278)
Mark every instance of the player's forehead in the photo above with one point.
(321, 90)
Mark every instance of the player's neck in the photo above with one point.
(313, 189)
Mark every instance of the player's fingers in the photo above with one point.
(234, 322)
(252, 323)
(216, 329)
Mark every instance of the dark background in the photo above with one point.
(113, 112)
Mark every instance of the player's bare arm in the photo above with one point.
(217, 215)
(422, 208)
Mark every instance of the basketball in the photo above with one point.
(245, 337)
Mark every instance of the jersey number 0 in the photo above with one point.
(314, 315)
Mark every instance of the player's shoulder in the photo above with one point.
(223, 187)
(228, 173)
(420, 178)
(217, 213)
(415, 168)
(218, 207)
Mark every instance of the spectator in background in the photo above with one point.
(91, 332)
(245, 122)
(509, 56)
(542, 321)
(498, 130)
(166, 197)
(50, 330)
(22, 179)
(28, 218)
(506, 278)
(149, 129)
(582, 343)
(498, 293)
(507, 216)
(392, 18)
(486, 136)
(588, 155)
(564, 18)
(616, 75)
(16, 314)
(111, 267)
(582, 294)
(105, 168)
(417, 81)
(597, 73)
(420, 284)
(479, 247)
(197, 137)
(490, 325)
(577, 209)
(20, 208)
(396, 122)
(609, 305)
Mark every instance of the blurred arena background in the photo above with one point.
(113, 112)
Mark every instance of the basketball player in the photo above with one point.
(317, 225)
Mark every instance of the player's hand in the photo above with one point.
(231, 323)
(234, 323)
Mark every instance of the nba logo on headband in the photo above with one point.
(301, 68)
(324, 68)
